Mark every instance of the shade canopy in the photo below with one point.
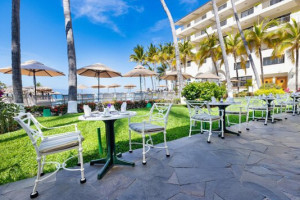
(114, 86)
(82, 87)
(98, 70)
(207, 76)
(129, 86)
(34, 68)
(140, 71)
(162, 86)
(172, 76)
(98, 86)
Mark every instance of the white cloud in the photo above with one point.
(160, 25)
(103, 11)
(188, 1)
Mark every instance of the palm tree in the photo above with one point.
(139, 56)
(221, 41)
(209, 48)
(258, 37)
(151, 57)
(257, 78)
(161, 70)
(234, 46)
(291, 43)
(71, 53)
(178, 67)
(185, 50)
(16, 52)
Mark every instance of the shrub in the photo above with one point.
(270, 86)
(7, 112)
(203, 91)
(268, 91)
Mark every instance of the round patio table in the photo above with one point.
(112, 158)
(269, 101)
(223, 106)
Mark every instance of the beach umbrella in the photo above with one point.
(162, 86)
(98, 86)
(140, 71)
(172, 76)
(34, 68)
(82, 87)
(98, 71)
(129, 87)
(207, 76)
(114, 86)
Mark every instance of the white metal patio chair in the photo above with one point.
(46, 145)
(159, 114)
(201, 112)
(239, 108)
(258, 104)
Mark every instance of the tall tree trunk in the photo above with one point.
(215, 64)
(152, 83)
(261, 66)
(257, 78)
(222, 44)
(16, 52)
(237, 74)
(71, 52)
(297, 67)
(178, 66)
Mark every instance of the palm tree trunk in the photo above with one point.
(16, 52)
(215, 64)
(221, 41)
(71, 52)
(237, 74)
(297, 67)
(176, 47)
(152, 83)
(261, 66)
(257, 78)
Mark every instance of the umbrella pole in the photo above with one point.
(34, 83)
(140, 83)
(98, 86)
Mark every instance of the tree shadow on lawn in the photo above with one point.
(13, 138)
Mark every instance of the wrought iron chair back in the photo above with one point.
(160, 112)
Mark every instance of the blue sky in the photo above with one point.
(105, 31)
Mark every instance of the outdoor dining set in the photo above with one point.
(202, 114)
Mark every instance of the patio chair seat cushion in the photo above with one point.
(59, 142)
(258, 108)
(231, 112)
(149, 128)
(206, 117)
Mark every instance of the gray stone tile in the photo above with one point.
(197, 189)
(182, 196)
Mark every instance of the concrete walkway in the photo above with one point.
(261, 164)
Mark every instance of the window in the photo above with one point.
(270, 61)
(239, 66)
(203, 17)
(247, 12)
(189, 63)
(222, 7)
(272, 2)
(200, 33)
(200, 18)
(188, 25)
(223, 23)
(283, 19)
(242, 81)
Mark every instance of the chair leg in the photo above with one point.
(240, 122)
(247, 122)
(83, 179)
(191, 124)
(210, 132)
(228, 121)
(35, 193)
(43, 163)
(151, 140)
(144, 152)
(201, 127)
(130, 150)
(222, 129)
(166, 146)
(266, 120)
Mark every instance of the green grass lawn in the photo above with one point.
(18, 155)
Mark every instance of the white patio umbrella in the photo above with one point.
(129, 87)
(207, 76)
(34, 68)
(98, 70)
(82, 87)
(114, 86)
(140, 71)
(172, 76)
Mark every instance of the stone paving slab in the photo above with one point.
(261, 164)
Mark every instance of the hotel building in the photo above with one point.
(192, 27)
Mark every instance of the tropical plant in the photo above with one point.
(7, 112)
(185, 49)
(290, 42)
(234, 46)
(72, 94)
(265, 91)
(257, 78)
(203, 91)
(161, 70)
(139, 56)
(258, 37)
(16, 52)
(175, 41)
(151, 57)
(222, 45)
